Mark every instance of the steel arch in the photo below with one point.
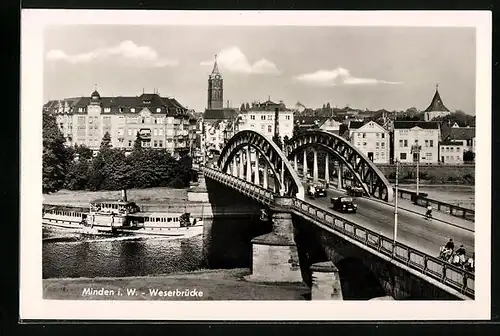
(364, 170)
(271, 153)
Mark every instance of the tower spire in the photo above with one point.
(215, 70)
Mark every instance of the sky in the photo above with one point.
(362, 67)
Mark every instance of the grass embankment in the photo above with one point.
(82, 198)
(432, 174)
(214, 284)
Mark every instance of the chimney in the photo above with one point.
(124, 195)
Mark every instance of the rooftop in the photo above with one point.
(410, 124)
(436, 104)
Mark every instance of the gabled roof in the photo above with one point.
(226, 113)
(436, 104)
(355, 124)
(410, 124)
(215, 70)
(304, 121)
(451, 142)
(461, 133)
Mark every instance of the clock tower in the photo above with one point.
(215, 89)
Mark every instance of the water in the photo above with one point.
(224, 244)
(461, 195)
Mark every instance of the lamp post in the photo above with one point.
(396, 209)
(415, 150)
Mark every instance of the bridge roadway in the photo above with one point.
(413, 229)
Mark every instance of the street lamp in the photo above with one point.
(415, 150)
(396, 209)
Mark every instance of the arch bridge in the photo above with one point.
(348, 161)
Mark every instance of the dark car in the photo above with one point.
(344, 204)
(316, 190)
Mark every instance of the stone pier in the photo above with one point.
(325, 282)
(275, 257)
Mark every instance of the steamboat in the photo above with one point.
(120, 217)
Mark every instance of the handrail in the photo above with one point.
(453, 210)
(435, 268)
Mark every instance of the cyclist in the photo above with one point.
(428, 213)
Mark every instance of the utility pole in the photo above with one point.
(396, 208)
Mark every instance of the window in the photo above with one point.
(269, 128)
(406, 143)
(428, 156)
(377, 156)
(447, 158)
(458, 158)
(160, 143)
(120, 131)
(158, 109)
(107, 109)
(426, 143)
(376, 135)
(129, 131)
(377, 144)
(132, 110)
(287, 117)
(358, 144)
(401, 143)
(382, 144)
(252, 125)
(90, 120)
(364, 135)
(79, 109)
(262, 117)
(382, 154)
(160, 132)
(155, 132)
(262, 127)
(269, 117)
(252, 117)
(383, 135)
(451, 149)
(155, 143)
(402, 156)
(458, 149)
(431, 143)
(364, 144)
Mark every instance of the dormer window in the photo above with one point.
(158, 109)
(107, 109)
(80, 109)
(132, 110)
(120, 109)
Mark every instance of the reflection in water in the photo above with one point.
(225, 243)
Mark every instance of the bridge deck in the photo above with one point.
(413, 229)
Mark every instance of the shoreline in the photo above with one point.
(214, 284)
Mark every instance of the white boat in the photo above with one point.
(114, 217)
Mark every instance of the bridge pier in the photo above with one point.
(199, 193)
(327, 169)
(339, 176)
(275, 257)
(304, 166)
(325, 282)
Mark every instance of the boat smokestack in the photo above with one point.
(124, 195)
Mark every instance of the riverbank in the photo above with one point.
(227, 284)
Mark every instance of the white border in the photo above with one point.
(32, 306)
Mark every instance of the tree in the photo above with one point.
(285, 139)
(137, 142)
(55, 156)
(247, 106)
(242, 107)
(469, 156)
(105, 142)
(83, 152)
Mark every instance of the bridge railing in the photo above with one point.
(440, 270)
(451, 209)
(435, 268)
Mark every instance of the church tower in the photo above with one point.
(215, 89)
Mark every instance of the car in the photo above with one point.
(354, 191)
(344, 204)
(316, 190)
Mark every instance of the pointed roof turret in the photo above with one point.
(436, 103)
(215, 70)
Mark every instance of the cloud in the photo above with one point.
(232, 59)
(337, 76)
(126, 51)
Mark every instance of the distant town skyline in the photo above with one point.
(394, 68)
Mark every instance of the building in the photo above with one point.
(215, 89)
(161, 122)
(451, 152)
(371, 139)
(426, 134)
(466, 135)
(328, 124)
(261, 116)
(436, 108)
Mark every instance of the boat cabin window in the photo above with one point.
(169, 220)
